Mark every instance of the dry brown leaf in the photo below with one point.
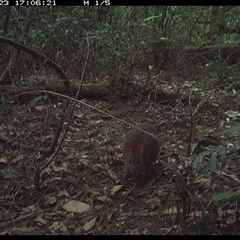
(59, 168)
(120, 156)
(111, 148)
(3, 160)
(105, 157)
(78, 231)
(104, 199)
(109, 216)
(55, 179)
(50, 201)
(46, 171)
(112, 174)
(70, 156)
(62, 227)
(115, 189)
(213, 185)
(80, 116)
(89, 224)
(63, 193)
(54, 225)
(204, 181)
(153, 202)
(76, 206)
(21, 229)
(40, 221)
(40, 214)
(99, 166)
(18, 158)
(5, 233)
(85, 161)
(150, 183)
(233, 177)
(232, 114)
(29, 208)
(172, 210)
(87, 188)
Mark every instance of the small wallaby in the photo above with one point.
(140, 150)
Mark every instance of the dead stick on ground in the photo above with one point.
(191, 118)
(50, 160)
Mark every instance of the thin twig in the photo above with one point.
(191, 124)
(38, 171)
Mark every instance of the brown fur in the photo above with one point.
(140, 150)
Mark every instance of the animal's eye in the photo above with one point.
(130, 161)
(138, 162)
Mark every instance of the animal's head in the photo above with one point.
(133, 157)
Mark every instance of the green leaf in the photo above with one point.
(225, 195)
(30, 80)
(55, 208)
(123, 81)
(3, 100)
(59, 22)
(149, 18)
(234, 130)
(213, 160)
(30, 232)
(34, 101)
(75, 22)
(150, 67)
(105, 130)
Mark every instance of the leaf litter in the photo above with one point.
(80, 193)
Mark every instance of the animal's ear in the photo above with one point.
(127, 147)
(140, 147)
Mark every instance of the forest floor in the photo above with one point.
(80, 192)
